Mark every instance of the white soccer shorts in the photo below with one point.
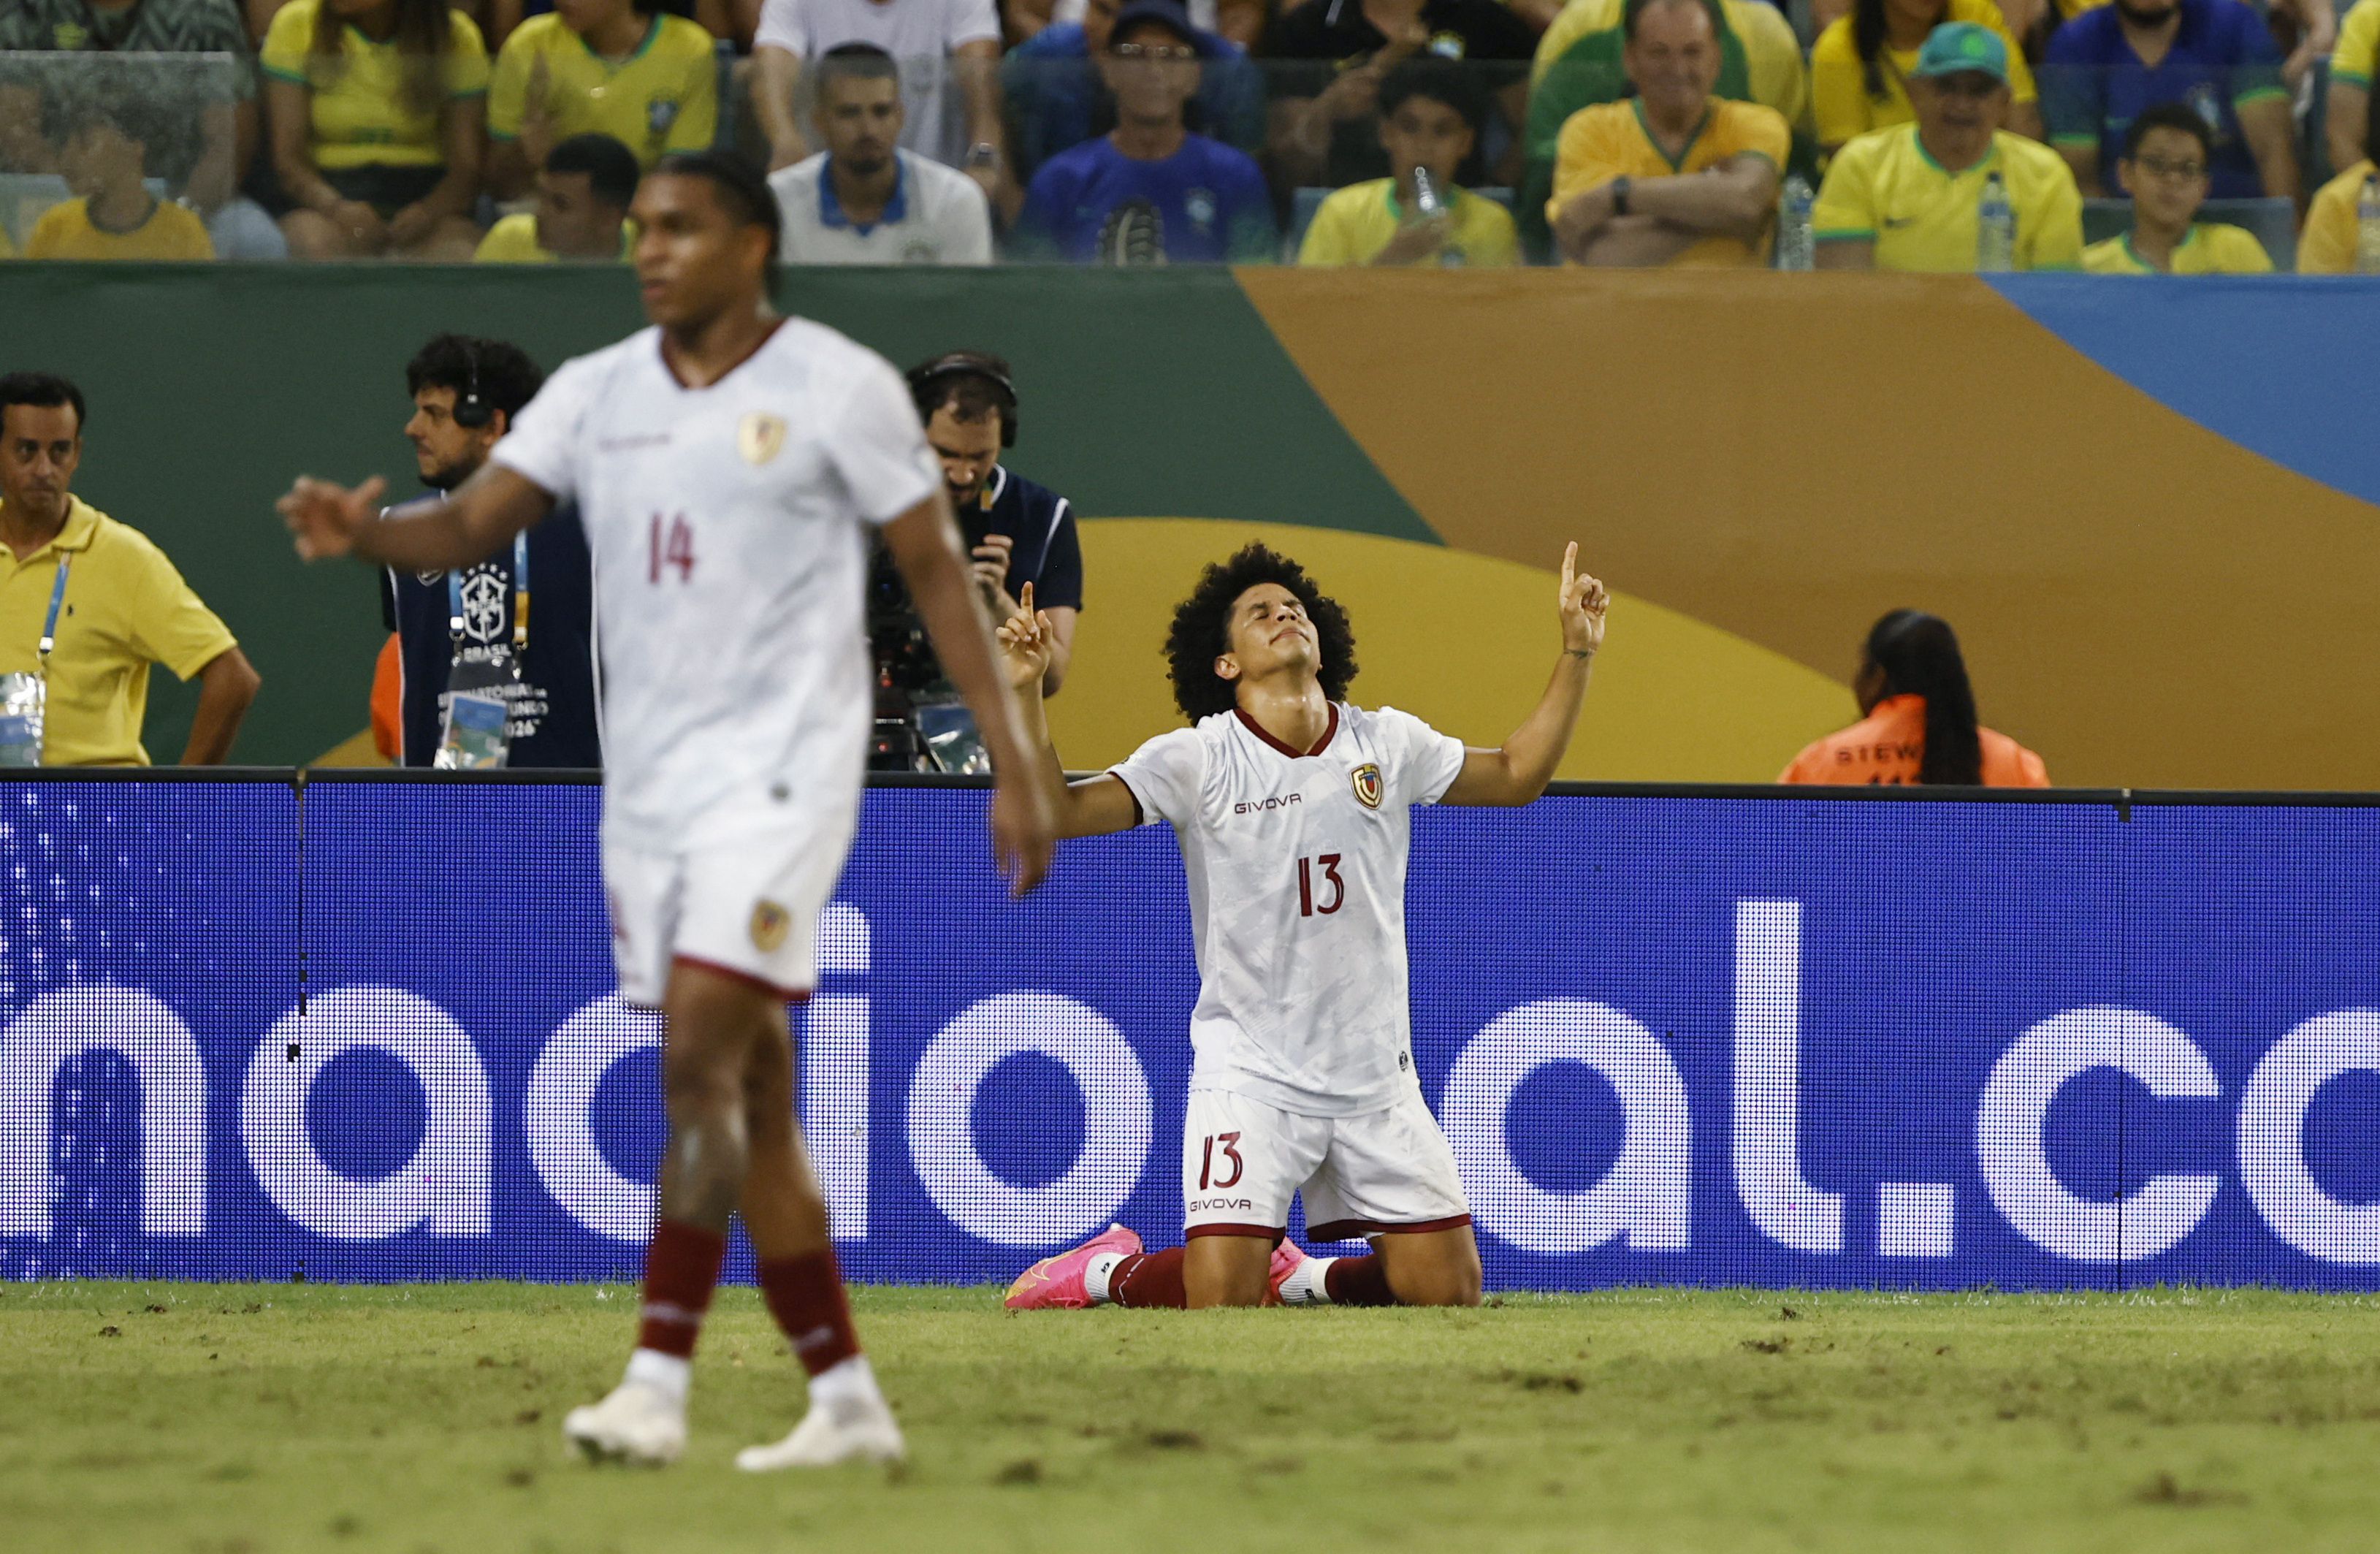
(749, 907)
(1386, 1170)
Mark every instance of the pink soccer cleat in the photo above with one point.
(1285, 1259)
(1056, 1283)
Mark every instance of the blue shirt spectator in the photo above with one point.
(1149, 191)
(1056, 97)
(2107, 65)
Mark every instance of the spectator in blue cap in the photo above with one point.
(1149, 191)
(1056, 97)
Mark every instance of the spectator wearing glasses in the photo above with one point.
(1057, 99)
(1917, 720)
(583, 194)
(2104, 67)
(1862, 65)
(1429, 121)
(1907, 198)
(208, 108)
(1149, 191)
(863, 200)
(1674, 175)
(377, 109)
(2164, 168)
(618, 68)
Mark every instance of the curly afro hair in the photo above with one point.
(1201, 629)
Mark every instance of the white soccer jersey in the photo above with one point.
(727, 529)
(1297, 870)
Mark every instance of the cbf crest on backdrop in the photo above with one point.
(1720, 1036)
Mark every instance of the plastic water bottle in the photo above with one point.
(1429, 202)
(1795, 249)
(1995, 228)
(2367, 228)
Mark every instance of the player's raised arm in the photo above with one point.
(925, 545)
(1094, 806)
(1519, 771)
(471, 524)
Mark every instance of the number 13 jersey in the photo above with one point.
(726, 525)
(1296, 872)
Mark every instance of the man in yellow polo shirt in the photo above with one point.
(1913, 197)
(106, 600)
(1673, 174)
(619, 68)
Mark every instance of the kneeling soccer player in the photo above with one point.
(1293, 811)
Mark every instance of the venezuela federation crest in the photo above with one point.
(1366, 779)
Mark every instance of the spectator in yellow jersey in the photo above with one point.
(103, 156)
(2328, 242)
(377, 108)
(1860, 66)
(106, 601)
(583, 194)
(1910, 197)
(618, 68)
(2164, 168)
(1673, 174)
(2353, 62)
(1430, 111)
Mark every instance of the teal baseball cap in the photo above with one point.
(1956, 47)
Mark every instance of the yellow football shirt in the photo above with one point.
(2355, 58)
(1610, 140)
(513, 240)
(2327, 242)
(2211, 247)
(361, 114)
(1838, 95)
(67, 231)
(665, 97)
(1357, 223)
(1884, 187)
(125, 608)
(1772, 55)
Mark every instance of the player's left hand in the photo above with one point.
(325, 518)
(1582, 603)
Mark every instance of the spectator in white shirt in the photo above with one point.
(863, 200)
(942, 46)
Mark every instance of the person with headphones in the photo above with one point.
(1016, 531)
(473, 676)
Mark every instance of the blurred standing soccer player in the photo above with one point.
(1293, 810)
(726, 462)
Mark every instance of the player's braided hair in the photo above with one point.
(1201, 629)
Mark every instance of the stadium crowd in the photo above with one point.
(1893, 134)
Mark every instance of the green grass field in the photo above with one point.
(243, 1419)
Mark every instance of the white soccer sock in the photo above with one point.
(1308, 1285)
(1096, 1275)
(665, 1374)
(845, 1388)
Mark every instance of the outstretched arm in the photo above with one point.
(473, 522)
(925, 545)
(1521, 769)
(1094, 806)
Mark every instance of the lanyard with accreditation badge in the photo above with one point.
(480, 686)
(24, 699)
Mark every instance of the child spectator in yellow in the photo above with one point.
(2164, 169)
(619, 68)
(113, 214)
(1430, 111)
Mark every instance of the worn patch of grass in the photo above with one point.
(245, 1419)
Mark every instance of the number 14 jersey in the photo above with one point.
(728, 529)
(1295, 864)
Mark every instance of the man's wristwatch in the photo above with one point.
(1620, 195)
(983, 153)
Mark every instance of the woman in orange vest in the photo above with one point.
(1918, 719)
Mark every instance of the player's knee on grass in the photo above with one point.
(1439, 1268)
(1225, 1270)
